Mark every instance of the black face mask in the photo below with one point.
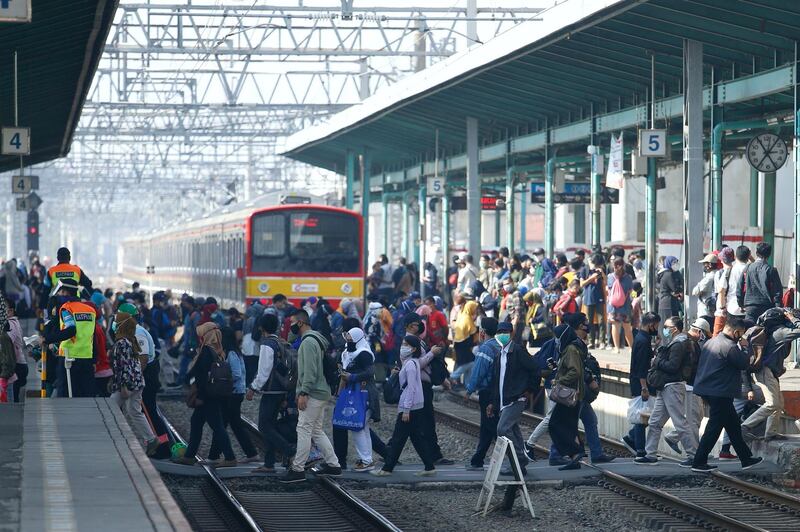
(295, 328)
(351, 346)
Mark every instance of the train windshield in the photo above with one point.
(305, 242)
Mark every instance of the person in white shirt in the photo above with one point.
(743, 256)
(704, 290)
(273, 393)
(722, 289)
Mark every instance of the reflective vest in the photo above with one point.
(80, 345)
(64, 270)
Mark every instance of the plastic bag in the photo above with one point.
(350, 411)
(639, 411)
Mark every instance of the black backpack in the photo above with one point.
(392, 389)
(284, 369)
(330, 366)
(220, 379)
(591, 372)
(439, 371)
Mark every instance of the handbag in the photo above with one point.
(392, 389)
(563, 395)
(350, 412)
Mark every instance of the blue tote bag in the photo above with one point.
(350, 411)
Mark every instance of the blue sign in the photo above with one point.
(574, 193)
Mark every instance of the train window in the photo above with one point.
(323, 241)
(269, 235)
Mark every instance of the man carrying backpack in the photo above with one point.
(781, 327)
(274, 381)
(759, 288)
(667, 376)
(313, 394)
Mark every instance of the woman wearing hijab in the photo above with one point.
(409, 421)
(670, 288)
(358, 369)
(464, 333)
(207, 408)
(127, 382)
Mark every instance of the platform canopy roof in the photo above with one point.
(58, 52)
(582, 59)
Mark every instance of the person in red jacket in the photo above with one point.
(567, 303)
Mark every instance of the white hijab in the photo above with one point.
(360, 338)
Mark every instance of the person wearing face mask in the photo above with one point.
(669, 283)
(514, 375)
(313, 394)
(480, 381)
(358, 369)
(127, 382)
(409, 422)
(718, 382)
(668, 376)
(641, 357)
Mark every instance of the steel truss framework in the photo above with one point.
(196, 98)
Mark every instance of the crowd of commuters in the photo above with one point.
(517, 328)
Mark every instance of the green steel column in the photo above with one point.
(753, 197)
(523, 215)
(769, 211)
(549, 208)
(404, 240)
(385, 219)
(716, 185)
(496, 226)
(579, 224)
(365, 173)
(419, 250)
(650, 233)
(445, 234)
(510, 209)
(350, 175)
(596, 191)
(608, 223)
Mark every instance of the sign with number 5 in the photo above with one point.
(16, 141)
(652, 142)
(435, 186)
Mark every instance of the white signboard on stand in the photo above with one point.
(502, 447)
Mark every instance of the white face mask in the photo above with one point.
(675, 267)
(406, 351)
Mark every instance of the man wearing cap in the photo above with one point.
(704, 290)
(75, 339)
(65, 270)
(513, 375)
(722, 288)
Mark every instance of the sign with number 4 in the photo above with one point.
(16, 141)
(652, 142)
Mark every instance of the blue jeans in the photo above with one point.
(186, 359)
(589, 420)
(463, 369)
(637, 434)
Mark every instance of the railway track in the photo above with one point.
(319, 505)
(722, 502)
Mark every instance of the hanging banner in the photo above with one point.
(615, 176)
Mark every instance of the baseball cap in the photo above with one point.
(127, 308)
(710, 258)
(701, 324)
(504, 327)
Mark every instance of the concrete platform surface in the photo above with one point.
(83, 469)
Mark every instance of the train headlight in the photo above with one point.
(347, 288)
(263, 288)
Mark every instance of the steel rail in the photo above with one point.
(239, 510)
(767, 496)
(353, 503)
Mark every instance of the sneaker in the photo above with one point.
(329, 471)
(362, 467)
(293, 476)
(263, 469)
(603, 459)
(380, 473)
(673, 445)
(628, 443)
(472, 467)
(704, 468)
(559, 461)
(529, 450)
(226, 463)
(425, 473)
(444, 461)
(251, 460)
(686, 463)
(751, 462)
(572, 465)
(312, 463)
(645, 460)
(728, 456)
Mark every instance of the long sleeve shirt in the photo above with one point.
(481, 376)
(759, 286)
(411, 398)
(703, 290)
(266, 361)
(310, 372)
(641, 358)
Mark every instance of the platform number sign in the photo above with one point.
(652, 142)
(767, 152)
(16, 140)
(436, 186)
(15, 10)
(24, 184)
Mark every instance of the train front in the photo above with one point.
(305, 250)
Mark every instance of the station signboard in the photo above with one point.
(575, 193)
(15, 10)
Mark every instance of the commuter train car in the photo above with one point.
(276, 244)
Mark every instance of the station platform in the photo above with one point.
(76, 465)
